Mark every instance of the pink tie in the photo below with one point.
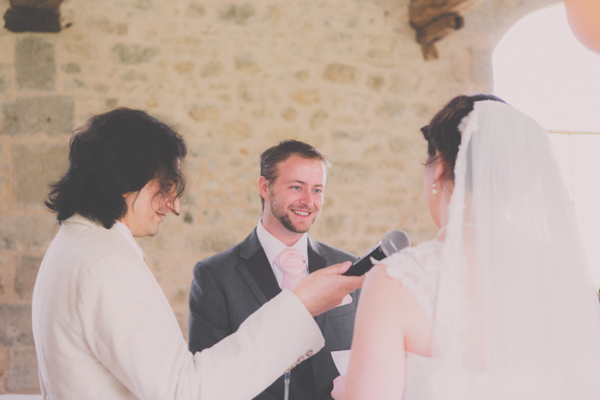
(292, 264)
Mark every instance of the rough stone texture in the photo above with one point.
(27, 269)
(15, 329)
(7, 277)
(4, 365)
(4, 79)
(36, 166)
(237, 14)
(339, 73)
(71, 68)
(29, 116)
(27, 232)
(134, 54)
(235, 78)
(35, 64)
(23, 374)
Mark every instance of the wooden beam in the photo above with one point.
(33, 16)
(435, 19)
(422, 12)
(436, 30)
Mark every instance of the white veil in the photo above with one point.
(516, 314)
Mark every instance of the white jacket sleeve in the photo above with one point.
(130, 327)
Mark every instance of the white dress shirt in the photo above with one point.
(273, 246)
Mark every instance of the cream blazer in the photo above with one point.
(104, 329)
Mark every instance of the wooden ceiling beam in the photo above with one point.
(435, 19)
(33, 16)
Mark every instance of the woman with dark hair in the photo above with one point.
(116, 153)
(499, 304)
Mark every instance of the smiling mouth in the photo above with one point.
(301, 213)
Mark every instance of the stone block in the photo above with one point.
(71, 68)
(31, 115)
(4, 79)
(23, 371)
(306, 97)
(375, 82)
(27, 232)
(235, 13)
(390, 109)
(6, 187)
(35, 167)
(289, 114)
(351, 173)
(236, 130)
(144, 5)
(35, 65)
(7, 277)
(317, 119)
(195, 10)
(339, 73)
(209, 240)
(212, 68)
(15, 329)
(134, 54)
(27, 269)
(4, 363)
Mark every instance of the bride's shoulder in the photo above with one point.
(413, 259)
(418, 252)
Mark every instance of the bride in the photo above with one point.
(499, 305)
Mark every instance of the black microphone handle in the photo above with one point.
(363, 265)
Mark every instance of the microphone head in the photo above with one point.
(394, 241)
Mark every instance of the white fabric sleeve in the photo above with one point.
(411, 270)
(131, 328)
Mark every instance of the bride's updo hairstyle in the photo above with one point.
(442, 134)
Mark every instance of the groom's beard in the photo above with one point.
(282, 215)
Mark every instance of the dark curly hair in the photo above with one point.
(442, 134)
(115, 153)
(271, 157)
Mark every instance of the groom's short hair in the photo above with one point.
(271, 157)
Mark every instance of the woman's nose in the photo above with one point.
(173, 205)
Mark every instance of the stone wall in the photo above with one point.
(235, 78)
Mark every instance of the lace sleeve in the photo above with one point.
(416, 268)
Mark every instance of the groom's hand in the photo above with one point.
(324, 289)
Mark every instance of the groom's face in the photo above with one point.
(296, 196)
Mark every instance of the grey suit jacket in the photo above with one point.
(230, 286)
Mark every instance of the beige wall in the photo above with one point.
(235, 78)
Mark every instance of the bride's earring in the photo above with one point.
(434, 190)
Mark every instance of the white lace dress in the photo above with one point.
(418, 268)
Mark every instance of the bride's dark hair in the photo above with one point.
(442, 134)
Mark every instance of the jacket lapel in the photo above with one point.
(316, 256)
(256, 270)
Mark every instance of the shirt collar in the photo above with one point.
(125, 231)
(273, 246)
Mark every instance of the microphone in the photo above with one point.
(392, 242)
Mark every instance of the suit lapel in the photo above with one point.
(256, 269)
(316, 256)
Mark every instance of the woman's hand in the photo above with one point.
(339, 388)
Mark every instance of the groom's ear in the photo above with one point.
(263, 188)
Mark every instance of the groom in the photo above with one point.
(229, 286)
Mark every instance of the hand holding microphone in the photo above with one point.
(392, 242)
